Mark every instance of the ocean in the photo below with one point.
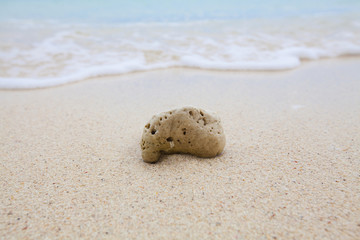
(52, 42)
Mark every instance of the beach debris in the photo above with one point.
(185, 130)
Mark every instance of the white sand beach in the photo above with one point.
(71, 167)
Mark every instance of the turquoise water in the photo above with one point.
(45, 43)
(169, 10)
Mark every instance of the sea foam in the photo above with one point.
(43, 53)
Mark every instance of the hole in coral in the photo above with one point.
(147, 126)
(169, 139)
(191, 113)
(170, 113)
(153, 131)
(189, 142)
(178, 141)
(165, 117)
(184, 131)
(161, 119)
(201, 113)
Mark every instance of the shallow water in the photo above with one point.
(45, 43)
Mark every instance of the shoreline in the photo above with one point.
(71, 162)
(303, 63)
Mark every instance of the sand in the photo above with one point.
(71, 162)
